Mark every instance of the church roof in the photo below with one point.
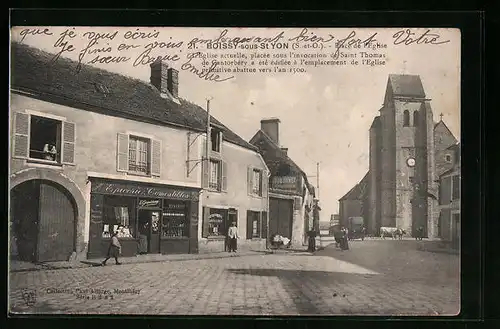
(406, 85)
(376, 122)
(358, 191)
(445, 130)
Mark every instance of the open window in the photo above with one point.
(216, 140)
(43, 139)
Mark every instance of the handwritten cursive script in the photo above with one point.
(352, 41)
(407, 37)
(306, 36)
(206, 74)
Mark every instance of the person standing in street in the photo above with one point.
(232, 234)
(344, 241)
(114, 249)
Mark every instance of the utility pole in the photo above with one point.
(317, 178)
(208, 132)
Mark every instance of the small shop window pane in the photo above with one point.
(174, 220)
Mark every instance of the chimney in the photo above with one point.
(285, 150)
(165, 79)
(271, 128)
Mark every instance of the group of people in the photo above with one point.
(342, 239)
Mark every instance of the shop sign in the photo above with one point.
(143, 191)
(149, 203)
(284, 183)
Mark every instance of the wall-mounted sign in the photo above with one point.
(149, 203)
(130, 189)
(285, 183)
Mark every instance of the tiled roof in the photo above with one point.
(100, 90)
(358, 191)
(406, 85)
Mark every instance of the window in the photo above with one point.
(455, 192)
(174, 220)
(138, 155)
(415, 119)
(138, 159)
(448, 158)
(215, 222)
(253, 224)
(43, 139)
(257, 182)
(216, 139)
(118, 217)
(406, 118)
(215, 175)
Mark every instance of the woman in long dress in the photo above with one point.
(344, 243)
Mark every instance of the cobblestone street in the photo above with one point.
(373, 277)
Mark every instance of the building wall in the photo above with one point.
(375, 171)
(350, 208)
(448, 206)
(432, 177)
(96, 152)
(236, 196)
(388, 164)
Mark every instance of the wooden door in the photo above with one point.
(273, 216)
(56, 224)
(24, 217)
(285, 218)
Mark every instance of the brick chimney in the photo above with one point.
(271, 128)
(165, 78)
(285, 150)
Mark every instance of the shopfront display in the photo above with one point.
(149, 219)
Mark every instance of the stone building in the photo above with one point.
(92, 152)
(293, 210)
(406, 157)
(449, 198)
(352, 204)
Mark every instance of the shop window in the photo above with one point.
(455, 192)
(43, 139)
(257, 182)
(175, 222)
(406, 118)
(117, 218)
(214, 222)
(254, 224)
(216, 139)
(139, 152)
(215, 175)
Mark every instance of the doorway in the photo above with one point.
(42, 221)
(455, 238)
(281, 217)
(149, 231)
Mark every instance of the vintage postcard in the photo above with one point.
(234, 171)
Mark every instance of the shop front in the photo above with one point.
(149, 219)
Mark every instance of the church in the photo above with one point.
(407, 154)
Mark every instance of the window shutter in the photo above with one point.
(205, 167)
(122, 152)
(206, 213)
(21, 135)
(68, 143)
(456, 188)
(249, 180)
(263, 220)
(446, 190)
(249, 224)
(258, 216)
(224, 175)
(155, 157)
(265, 183)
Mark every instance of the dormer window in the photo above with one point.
(216, 138)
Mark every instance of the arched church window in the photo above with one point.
(415, 118)
(406, 118)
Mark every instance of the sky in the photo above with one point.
(325, 112)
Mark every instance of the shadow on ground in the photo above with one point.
(304, 297)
